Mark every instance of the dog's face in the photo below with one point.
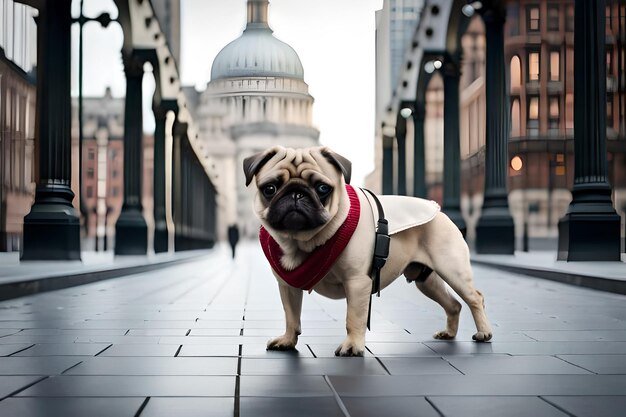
(299, 190)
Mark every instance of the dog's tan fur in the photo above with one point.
(437, 244)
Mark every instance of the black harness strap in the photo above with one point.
(381, 251)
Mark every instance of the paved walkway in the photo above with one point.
(189, 340)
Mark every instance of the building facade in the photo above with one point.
(18, 46)
(539, 53)
(539, 66)
(257, 98)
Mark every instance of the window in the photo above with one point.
(515, 118)
(609, 20)
(89, 192)
(533, 66)
(115, 191)
(555, 57)
(114, 173)
(569, 111)
(532, 18)
(609, 61)
(90, 172)
(516, 76)
(554, 113)
(91, 155)
(533, 116)
(569, 18)
(113, 154)
(553, 17)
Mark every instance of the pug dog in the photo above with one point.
(303, 203)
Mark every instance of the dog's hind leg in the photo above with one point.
(435, 289)
(458, 274)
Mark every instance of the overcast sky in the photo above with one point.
(334, 40)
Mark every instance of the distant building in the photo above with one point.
(257, 98)
(102, 181)
(395, 26)
(18, 47)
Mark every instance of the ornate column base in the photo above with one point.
(131, 233)
(495, 232)
(52, 228)
(590, 231)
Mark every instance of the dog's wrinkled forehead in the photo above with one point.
(282, 164)
(295, 163)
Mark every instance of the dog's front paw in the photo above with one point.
(350, 348)
(282, 343)
(444, 335)
(482, 336)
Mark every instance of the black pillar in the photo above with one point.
(401, 141)
(161, 238)
(590, 231)
(179, 134)
(387, 164)
(52, 228)
(419, 153)
(131, 232)
(495, 231)
(451, 147)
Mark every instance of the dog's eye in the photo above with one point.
(323, 189)
(269, 190)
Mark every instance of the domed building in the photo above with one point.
(256, 98)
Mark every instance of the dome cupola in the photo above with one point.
(257, 53)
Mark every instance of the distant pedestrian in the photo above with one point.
(233, 237)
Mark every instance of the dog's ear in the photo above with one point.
(252, 164)
(340, 162)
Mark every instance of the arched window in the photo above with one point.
(516, 73)
(515, 118)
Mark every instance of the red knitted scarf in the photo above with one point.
(318, 263)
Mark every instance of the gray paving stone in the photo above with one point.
(494, 385)
(7, 332)
(528, 348)
(289, 407)
(596, 406)
(141, 350)
(312, 366)
(53, 407)
(64, 349)
(13, 383)
(389, 406)
(215, 332)
(209, 350)
(132, 386)
(189, 407)
(419, 366)
(6, 350)
(73, 332)
(53, 365)
(514, 365)
(400, 349)
(599, 364)
(279, 386)
(155, 366)
(158, 332)
(495, 407)
(579, 335)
